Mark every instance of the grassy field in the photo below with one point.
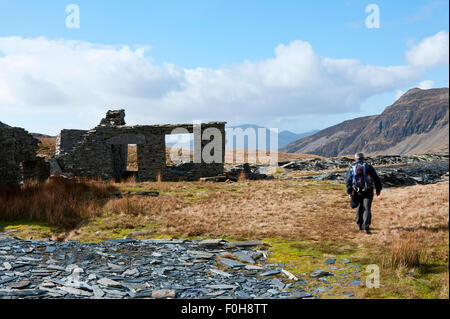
(304, 222)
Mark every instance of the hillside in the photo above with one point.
(416, 123)
(2, 125)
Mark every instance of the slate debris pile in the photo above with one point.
(317, 164)
(154, 268)
(394, 170)
(421, 173)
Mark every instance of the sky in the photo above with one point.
(291, 65)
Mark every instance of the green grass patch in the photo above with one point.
(28, 229)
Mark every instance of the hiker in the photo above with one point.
(361, 180)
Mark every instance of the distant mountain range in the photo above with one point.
(284, 137)
(418, 122)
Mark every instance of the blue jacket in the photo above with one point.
(371, 172)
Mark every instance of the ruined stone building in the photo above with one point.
(102, 151)
(18, 159)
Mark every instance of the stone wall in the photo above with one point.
(103, 151)
(18, 160)
(67, 139)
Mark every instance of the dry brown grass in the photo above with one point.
(294, 210)
(239, 156)
(299, 210)
(47, 146)
(406, 252)
(57, 201)
(409, 224)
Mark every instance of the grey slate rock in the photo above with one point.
(271, 272)
(221, 287)
(20, 284)
(125, 269)
(248, 243)
(220, 272)
(106, 282)
(320, 273)
(330, 261)
(230, 262)
(244, 257)
(301, 295)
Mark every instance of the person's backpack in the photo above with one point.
(361, 181)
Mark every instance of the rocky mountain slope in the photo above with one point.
(416, 123)
(2, 125)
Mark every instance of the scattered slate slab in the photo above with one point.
(56, 267)
(201, 254)
(165, 241)
(301, 295)
(244, 257)
(220, 272)
(320, 273)
(216, 293)
(330, 261)
(248, 243)
(277, 283)
(20, 284)
(212, 243)
(75, 291)
(129, 268)
(221, 287)
(115, 293)
(242, 294)
(131, 272)
(22, 292)
(49, 249)
(231, 262)
(6, 280)
(163, 293)
(47, 284)
(253, 267)
(7, 265)
(116, 267)
(271, 272)
(106, 282)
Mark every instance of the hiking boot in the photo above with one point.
(367, 231)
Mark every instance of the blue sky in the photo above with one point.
(219, 37)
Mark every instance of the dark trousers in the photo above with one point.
(363, 211)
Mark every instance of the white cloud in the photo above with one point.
(430, 52)
(73, 78)
(425, 85)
